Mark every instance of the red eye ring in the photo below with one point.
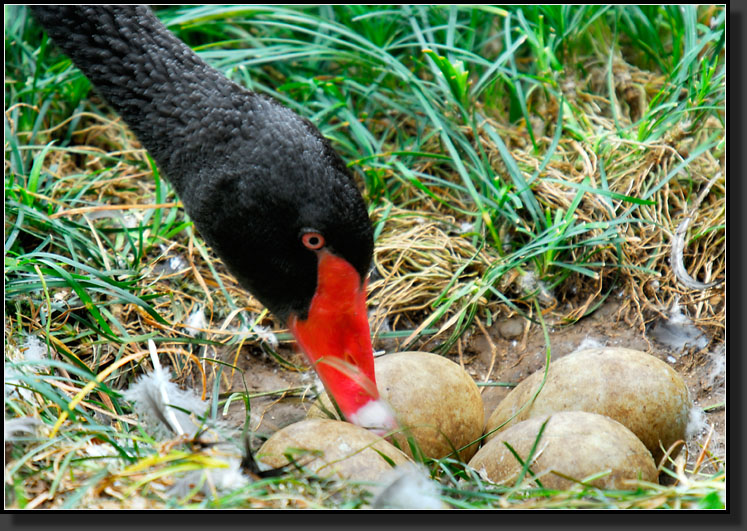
(313, 240)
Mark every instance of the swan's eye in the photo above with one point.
(313, 240)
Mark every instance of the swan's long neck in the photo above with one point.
(169, 97)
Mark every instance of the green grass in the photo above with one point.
(434, 68)
(559, 136)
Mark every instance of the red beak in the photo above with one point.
(337, 341)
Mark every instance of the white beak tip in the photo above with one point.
(375, 416)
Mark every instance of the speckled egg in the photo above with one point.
(574, 446)
(634, 388)
(331, 448)
(436, 402)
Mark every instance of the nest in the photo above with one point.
(420, 257)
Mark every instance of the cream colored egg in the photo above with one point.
(331, 448)
(436, 402)
(574, 444)
(634, 388)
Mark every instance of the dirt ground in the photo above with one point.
(519, 351)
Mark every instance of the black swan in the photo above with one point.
(263, 187)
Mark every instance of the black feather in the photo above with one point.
(250, 172)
